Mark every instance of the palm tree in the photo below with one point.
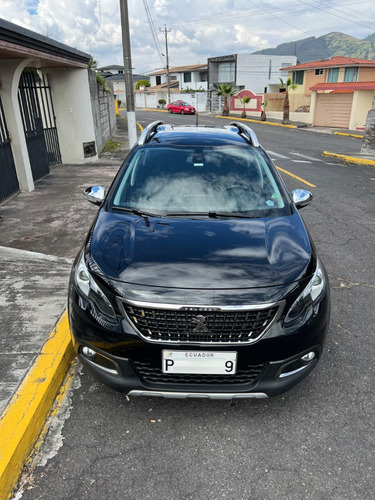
(244, 100)
(263, 116)
(288, 85)
(225, 91)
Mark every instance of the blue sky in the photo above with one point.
(200, 29)
(32, 7)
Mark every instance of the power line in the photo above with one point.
(153, 31)
(98, 28)
(334, 15)
(280, 19)
(353, 13)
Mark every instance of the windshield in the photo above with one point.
(200, 179)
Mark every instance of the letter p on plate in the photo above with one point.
(168, 363)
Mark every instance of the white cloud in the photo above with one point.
(247, 38)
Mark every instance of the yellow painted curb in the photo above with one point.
(349, 135)
(23, 419)
(158, 110)
(254, 121)
(351, 159)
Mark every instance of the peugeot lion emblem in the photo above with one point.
(200, 323)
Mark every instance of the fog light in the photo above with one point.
(308, 357)
(88, 352)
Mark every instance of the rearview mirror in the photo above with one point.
(301, 197)
(95, 194)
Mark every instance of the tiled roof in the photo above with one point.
(333, 62)
(344, 86)
(180, 69)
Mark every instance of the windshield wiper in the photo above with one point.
(135, 211)
(231, 214)
(213, 215)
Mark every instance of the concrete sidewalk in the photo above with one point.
(40, 234)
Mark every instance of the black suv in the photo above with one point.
(198, 277)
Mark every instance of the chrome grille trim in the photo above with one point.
(200, 309)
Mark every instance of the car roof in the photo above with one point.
(233, 134)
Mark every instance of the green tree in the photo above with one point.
(225, 91)
(162, 103)
(244, 100)
(288, 85)
(142, 83)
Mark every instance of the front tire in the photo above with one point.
(182, 112)
(169, 110)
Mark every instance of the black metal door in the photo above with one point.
(39, 122)
(8, 175)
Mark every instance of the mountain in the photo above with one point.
(326, 46)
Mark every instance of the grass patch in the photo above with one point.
(111, 146)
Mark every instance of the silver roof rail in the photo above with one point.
(148, 132)
(247, 133)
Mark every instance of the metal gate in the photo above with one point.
(8, 175)
(39, 122)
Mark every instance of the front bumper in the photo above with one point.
(124, 361)
(123, 374)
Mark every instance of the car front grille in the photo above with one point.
(200, 325)
(149, 373)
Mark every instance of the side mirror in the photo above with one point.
(301, 197)
(95, 194)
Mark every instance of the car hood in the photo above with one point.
(195, 254)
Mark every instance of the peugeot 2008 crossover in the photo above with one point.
(198, 277)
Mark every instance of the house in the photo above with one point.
(339, 90)
(51, 110)
(181, 77)
(115, 69)
(255, 72)
(117, 81)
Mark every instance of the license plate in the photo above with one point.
(199, 362)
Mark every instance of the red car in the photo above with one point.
(181, 107)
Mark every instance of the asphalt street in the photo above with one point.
(314, 442)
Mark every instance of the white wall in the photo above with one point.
(255, 72)
(195, 84)
(150, 99)
(74, 120)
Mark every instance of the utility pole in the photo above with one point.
(128, 74)
(166, 30)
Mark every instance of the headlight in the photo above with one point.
(308, 298)
(90, 290)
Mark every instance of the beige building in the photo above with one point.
(339, 91)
